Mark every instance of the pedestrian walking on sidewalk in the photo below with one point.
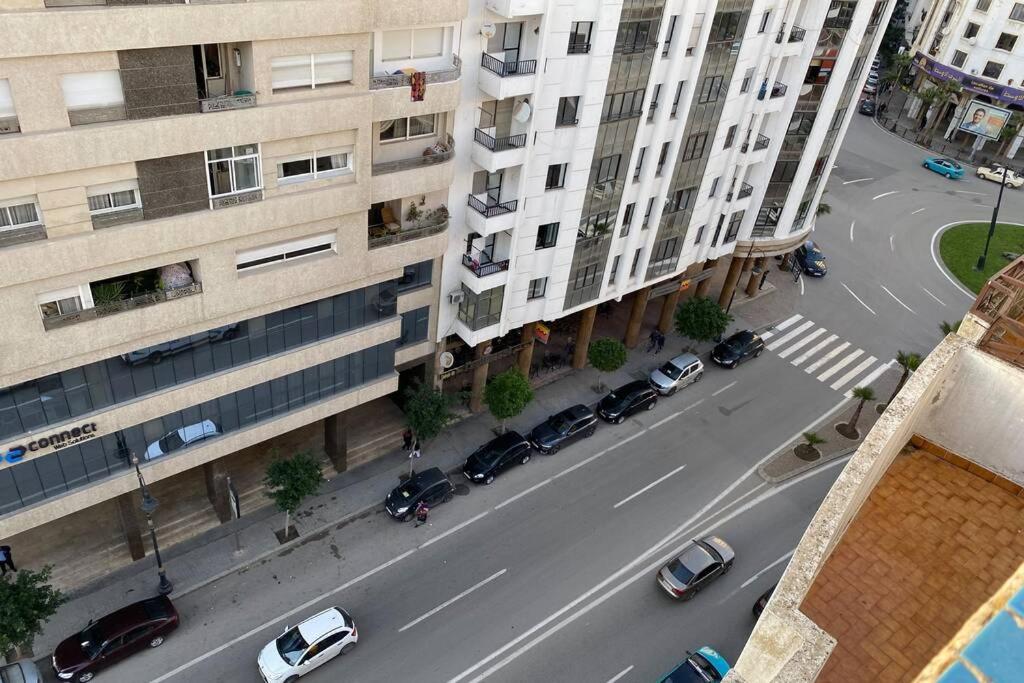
(652, 341)
(421, 513)
(6, 560)
(660, 342)
(407, 439)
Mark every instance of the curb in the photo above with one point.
(804, 468)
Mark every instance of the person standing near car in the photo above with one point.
(422, 511)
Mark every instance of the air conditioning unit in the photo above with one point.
(456, 297)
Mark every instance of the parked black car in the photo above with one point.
(762, 602)
(496, 456)
(430, 486)
(626, 400)
(563, 427)
(867, 107)
(810, 258)
(738, 348)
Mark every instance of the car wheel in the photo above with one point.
(292, 679)
(925, 164)
(489, 479)
(699, 377)
(672, 391)
(156, 642)
(84, 678)
(949, 176)
(525, 459)
(590, 431)
(650, 406)
(759, 352)
(348, 648)
(406, 517)
(553, 450)
(448, 496)
(620, 419)
(155, 358)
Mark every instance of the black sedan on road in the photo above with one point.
(562, 428)
(867, 107)
(626, 400)
(810, 259)
(429, 486)
(737, 349)
(702, 562)
(496, 456)
(762, 602)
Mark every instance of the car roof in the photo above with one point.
(319, 625)
(128, 616)
(578, 411)
(743, 335)
(196, 430)
(429, 477)
(696, 558)
(684, 360)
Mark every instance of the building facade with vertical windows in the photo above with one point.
(221, 227)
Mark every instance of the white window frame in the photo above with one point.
(232, 159)
(83, 293)
(407, 137)
(312, 85)
(445, 41)
(7, 216)
(533, 293)
(109, 189)
(245, 260)
(282, 179)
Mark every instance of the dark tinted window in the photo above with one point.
(291, 645)
(156, 609)
(680, 572)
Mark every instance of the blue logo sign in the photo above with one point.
(57, 440)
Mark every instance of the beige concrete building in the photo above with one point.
(220, 235)
(921, 539)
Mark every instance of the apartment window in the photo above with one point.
(416, 276)
(63, 302)
(6, 105)
(622, 105)
(959, 58)
(615, 269)
(634, 36)
(734, 227)
(694, 147)
(285, 251)
(537, 288)
(627, 216)
(680, 200)
(698, 23)
(972, 30)
(748, 76)
(718, 229)
(233, 169)
(94, 96)
(636, 262)
(579, 37)
(654, 101)
(412, 43)
(730, 137)
(1006, 42)
(726, 28)
(481, 310)
(858, 64)
(395, 130)
(663, 257)
(314, 166)
(608, 168)
(556, 177)
(677, 97)
(568, 111)
(585, 277)
(639, 163)
(661, 158)
(595, 225)
(415, 325)
(992, 70)
(714, 186)
(647, 214)
(1017, 13)
(669, 33)
(983, 5)
(764, 21)
(710, 89)
(547, 235)
(311, 71)
(18, 213)
(113, 197)
(700, 234)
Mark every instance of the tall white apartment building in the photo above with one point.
(617, 148)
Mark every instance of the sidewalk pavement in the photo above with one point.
(233, 546)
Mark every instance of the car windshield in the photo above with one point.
(680, 572)
(735, 344)
(485, 455)
(671, 371)
(409, 489)
(171, 442)
(91, 640)
(560, 423)
(687, 672)
(291, 645)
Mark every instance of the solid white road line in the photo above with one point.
(884, 194)
(852, 223)
(826, 358)
(848, 377)
(813, 350)
(932, 295)
(792, 334)
(597, 455)
(730, 385)
(935, 259)
(758, 575)
(892, 245)
(897, 298)
(457, 527)
(858, 298)
(967, 192)
(282, 617)
(793, 348)
(648, 487)
(786, 323)
(522, 493)
(843, 362)
(918, 211)
(858, 180)
(800, 279)
(446, 603)
(619, 675)
(875, 374)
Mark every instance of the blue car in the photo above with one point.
(703, 666)
(943, 166)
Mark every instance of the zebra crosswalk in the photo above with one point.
(823, 355)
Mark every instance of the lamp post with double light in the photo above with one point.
(149, 506)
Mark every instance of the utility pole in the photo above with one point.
(992, 225)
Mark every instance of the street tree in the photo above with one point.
(506, 395)
(909, 362)
(701, 319)
(292, 480)
(895, 33)
(606, 355)
(808, 450)
(27, 601)
(937, 98)
(863, 395)
(427, 411)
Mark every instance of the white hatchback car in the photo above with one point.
(304, 647)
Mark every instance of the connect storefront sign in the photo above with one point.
(56, 441)
(942, 72)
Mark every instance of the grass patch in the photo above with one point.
(961, 245)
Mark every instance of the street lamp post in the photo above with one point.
(149, 505)
(992, 225)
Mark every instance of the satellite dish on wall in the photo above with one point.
(522, 112)
(447, 360)
(488, 30)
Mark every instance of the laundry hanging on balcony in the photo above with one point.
(419, 86)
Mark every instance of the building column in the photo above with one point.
(755, 275)
(526, 353)
(336, 440)
(704, 285)
(731, 278)
(216, 476)
(668, 310)
(126, 506)
(586, 328)
(636, 317)
(476, 395)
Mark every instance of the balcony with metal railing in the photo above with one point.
(502, 76)
(493, 153)
(437, 153)
(760, 142)
(481, 265)
(403, 79)
(487, 215)
(746, 189)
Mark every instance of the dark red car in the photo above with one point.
(113, 637)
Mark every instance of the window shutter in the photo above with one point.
(291, 72)
(395, 44)
(334, 67)
(428, 42)
(6, 99)
(92, 90)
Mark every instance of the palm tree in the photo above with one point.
(810, 446)
(949, 328)
(813, 439)
(909, 362)
(863, 394)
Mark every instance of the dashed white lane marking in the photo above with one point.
(455, 528)
(848, 377)
(727, 386)
(875, 374)
(446, 603)
(619, 675)
(852, 223)
(758, 575)
(884, 194)
(892, 245)
(918, 211)
(858, 180)
(896, 298)
(827, 357)
(817, 347)
(967, 192)
(599, 454)
(522, 493)
(871, 310)
(648, 487)
(676, 414)
(932, 295)
(794, 333)
(793, 348)
(843, 362)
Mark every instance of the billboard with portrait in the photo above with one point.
(984, 119)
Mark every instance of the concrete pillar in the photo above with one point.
(126, 507)
(636, 317)
(731, 278)
(336, 440)
(668, 311)
(755, 275)
(586, 328)
(476, 395)
(704, 285)
(526, 353)
(216, 476)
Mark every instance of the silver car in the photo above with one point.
(682, 370)
(23, 671)
(703, 561)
